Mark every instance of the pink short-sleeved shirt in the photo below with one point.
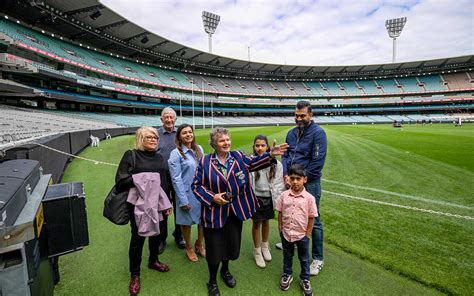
(296, 209)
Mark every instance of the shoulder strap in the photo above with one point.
(133, 161)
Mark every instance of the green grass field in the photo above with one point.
(370, 248)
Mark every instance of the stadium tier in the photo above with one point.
(21, 123)
(90, 88)
(85, 58)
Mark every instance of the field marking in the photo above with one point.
(400, 206)
(418, 198)
(75, 156)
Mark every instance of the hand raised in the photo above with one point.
(278, 149)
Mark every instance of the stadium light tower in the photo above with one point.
(394, 29)
(210, 22)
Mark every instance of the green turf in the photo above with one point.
(370, 249)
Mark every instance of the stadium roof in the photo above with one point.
(91, 22)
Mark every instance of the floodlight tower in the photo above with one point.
(210, 22)
(394, 29)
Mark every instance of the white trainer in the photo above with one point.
(257, 254)
(316, 266)
(266, 251)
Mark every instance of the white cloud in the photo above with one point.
(314, 32)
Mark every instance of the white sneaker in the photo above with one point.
(257, 254)
(316, 266)
(266, 251)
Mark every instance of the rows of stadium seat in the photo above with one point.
(388, 86)
(333, 88)
(124, 68)
(432, 83)
(154, 120)
(462, 102)
(327, 88)
(368, 87)
(18, 124)
(459, 80)
(118, 119)
(351, 88)
(87, 57)
(409, 84)
(151, 97)
(107, 84)
(144, 91)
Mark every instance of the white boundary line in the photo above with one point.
(75, 156)
(419, 198)
(400, 206)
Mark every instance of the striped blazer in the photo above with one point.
(209, 180)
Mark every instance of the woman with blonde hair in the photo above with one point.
(182, 164)
(142, 159)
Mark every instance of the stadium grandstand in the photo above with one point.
(81, 61)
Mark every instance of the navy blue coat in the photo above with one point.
(209, 180)
(309, 149)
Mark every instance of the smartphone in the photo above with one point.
(227, 196)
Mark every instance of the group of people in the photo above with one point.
(218, 191)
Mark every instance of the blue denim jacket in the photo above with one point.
(308, 149)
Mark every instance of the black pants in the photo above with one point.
(136, 245)
(164, 224)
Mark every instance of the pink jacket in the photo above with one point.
(149, 200)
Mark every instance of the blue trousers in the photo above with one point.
(303, 256)
(314, 187)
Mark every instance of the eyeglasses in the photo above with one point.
(149, 138)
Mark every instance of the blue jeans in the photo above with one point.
(314, 187)
(303, 256)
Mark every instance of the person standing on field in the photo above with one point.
(268, 186)
(167, 134)
(307, 145)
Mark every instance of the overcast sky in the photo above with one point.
(325, 32)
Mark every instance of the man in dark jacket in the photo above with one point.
(167, 134)
(307, 146)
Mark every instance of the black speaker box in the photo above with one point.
(65, 219)
(18, 179)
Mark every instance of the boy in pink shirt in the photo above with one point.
(296, 212)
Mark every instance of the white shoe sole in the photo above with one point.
(286, 289)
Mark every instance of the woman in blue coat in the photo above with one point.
(182, 165)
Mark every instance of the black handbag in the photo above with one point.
(115, 204)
